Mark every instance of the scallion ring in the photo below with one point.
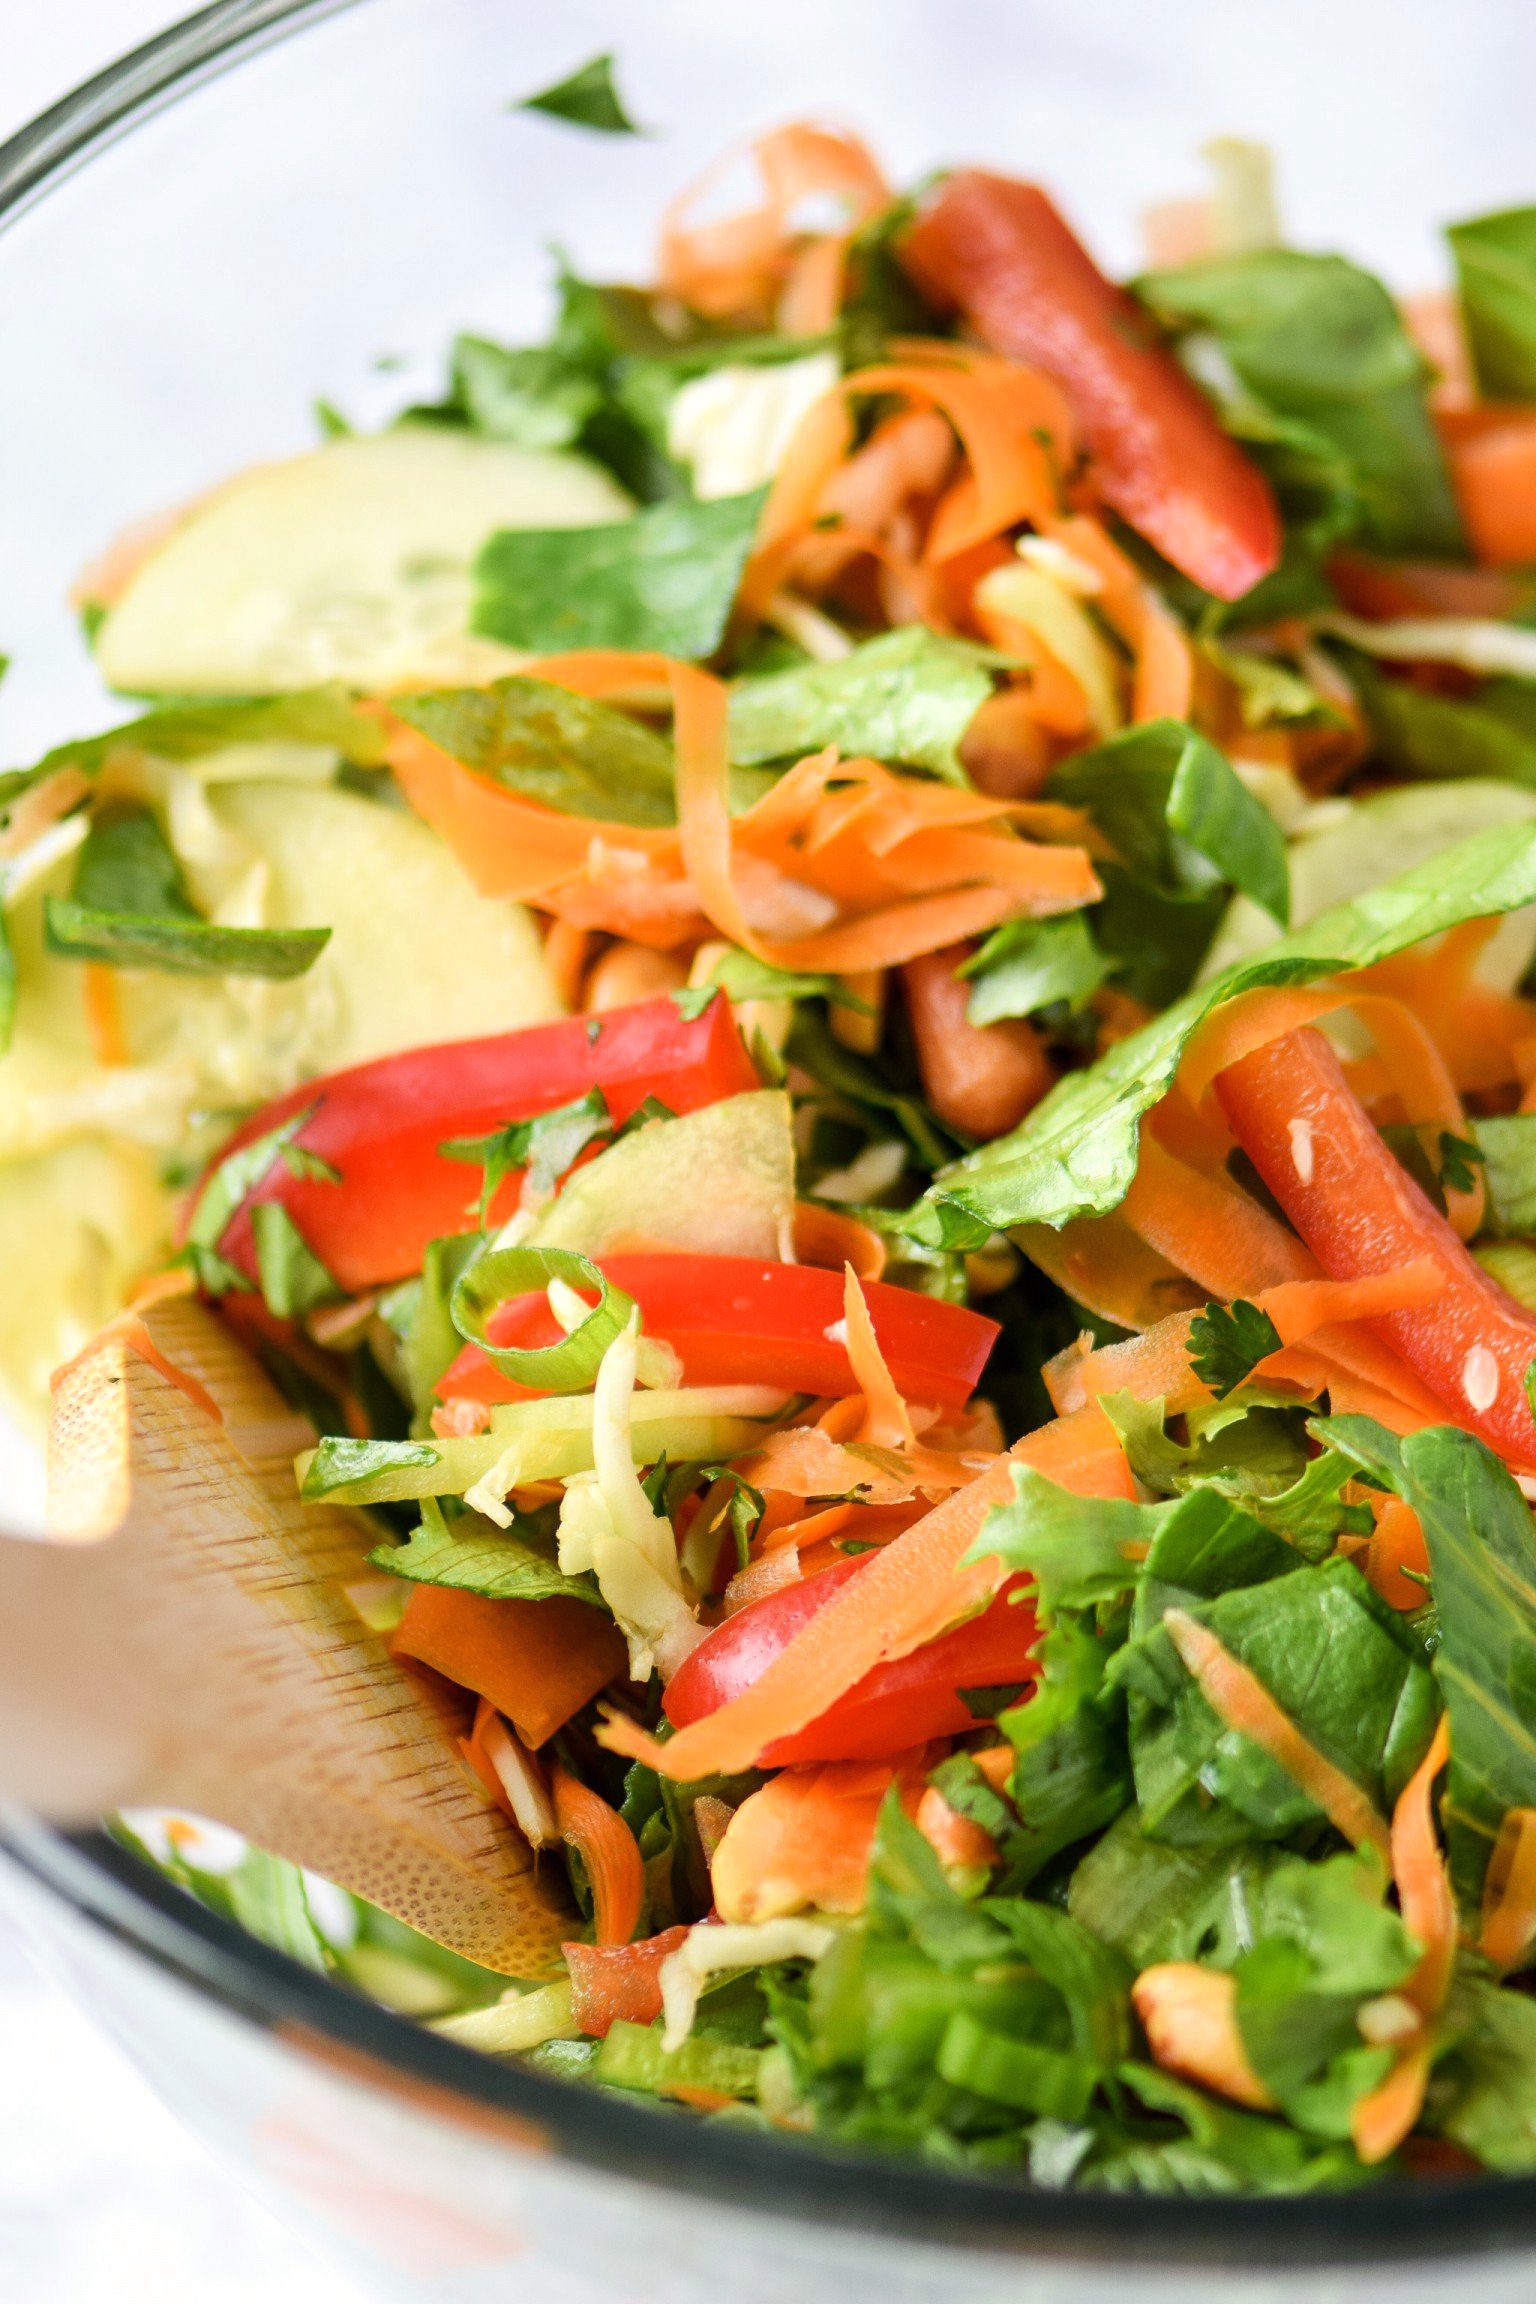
(503, 1273)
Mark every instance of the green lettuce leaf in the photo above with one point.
(1334, 1658)
(1482, 1557)
(907, 697)
(1440, 738)
(322, 716)
(1076, 1153)
(1496, 273)
(128, 908)
(587, 98)
(1484, 2095)
(1154, 1902)
(1178, 814)
(534, 395)
(1027, 965)
(1071, 1773)
(1223, 2150)
(664, 580)
(570, 752)
(1315, 342)
(1507, 1143)
(468, 1555)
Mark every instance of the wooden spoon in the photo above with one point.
(186, 1642)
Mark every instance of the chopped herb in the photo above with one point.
(543, 1147)
(587, 98)
(1225, 1346)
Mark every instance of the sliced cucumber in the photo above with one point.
(1373, 840)
(719, 1182)
(415, 956)
(350, 563)
(77, 1227)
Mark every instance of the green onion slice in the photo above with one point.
(502, 1273)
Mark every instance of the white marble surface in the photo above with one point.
(103, 2197)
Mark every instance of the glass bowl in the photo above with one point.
(280, 202)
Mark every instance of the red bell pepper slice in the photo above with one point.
(1027, 287)
(1301, 1124)
(611, 1983)
(892, 1708)
(381, 1125)
(735, 1320)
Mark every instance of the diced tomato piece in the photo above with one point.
(1027, 287)
(382, 1124)
(735, 1320)
(892, 1708)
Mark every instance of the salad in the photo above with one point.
(839, 971)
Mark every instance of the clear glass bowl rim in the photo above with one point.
(770, 2173)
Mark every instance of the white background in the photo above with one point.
(103, 2198)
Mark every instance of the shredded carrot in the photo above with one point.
(1380, 2121)
(1164, 680)
(831, 1237)
(1210, 1228)
(911, 1591)
(1301, 1308)
(735, 266)
(608, 1849)
(566, 951)
(805, 1838)
(1509, 1891)
(954, 1838)
(1397, 1545)
(538, 1661)
(129, 1331)
(1189, 2015)
(104, 1013)
(1240, 1699)
(770, 1572)
(886, 1422)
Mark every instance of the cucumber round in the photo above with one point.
(350, 563)
(717, 1182)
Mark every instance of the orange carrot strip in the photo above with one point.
(1398, 1544)
(1240, 1699)
(1108, 1269)
(1251, 1021)
(831, 1237)
(953, 1838)
(886, 1422)
(1379, 2122)
(911, 1591)
(103, 1013)
(805, 1839)
(1509, 1891)
(607, 1848)
(733, 265)
(1209, 1228)
(538, 1661)
(1301, 1308)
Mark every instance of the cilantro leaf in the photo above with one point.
(293, 1279)
(587, 98)
(1457, 1160)
(1226, 1346)
(543, 1147)
(663, 581)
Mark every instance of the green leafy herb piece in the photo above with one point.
(468, 1555)
(1071, 1773)
(663, 581)
(501, 1273)
(1318, 354)
(587, 98)
(907, 697)
(129, 908)
(1487, 2086)
(1028, 965)
(293, 1279)
(1506, 1146)
(533, 395)
(1226, 1346)
(742, 976)
(1076, 1153)
(1447, 738)
(543, 1147)
(1335, 1659)
(691, 1000)
(743, 1507)
(1482, 1557)
(1496, 272)
(1153, 1902)
(1268, 689)
(1079, 1549)
(1458, 1161)
(340, 1465)
(570, 752)
(1178, 814)
(1224, 2151)
(237, 1175)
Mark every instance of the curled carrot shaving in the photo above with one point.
(1397, 1545)
(911, 1591)
(1240, 1699)
(1210, 1228)
(831, 1237)
(1379, 2122)
(610, 1852)
(954, 1838)
(734, 266)
(1509, 1891)
(886, 1423)
(1478, 1031)
(129, 1331)
(805, 1839)
(1107, 1268)
(100, 995)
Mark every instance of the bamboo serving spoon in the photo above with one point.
(186, 1642)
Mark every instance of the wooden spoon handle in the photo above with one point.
(188, 1642)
